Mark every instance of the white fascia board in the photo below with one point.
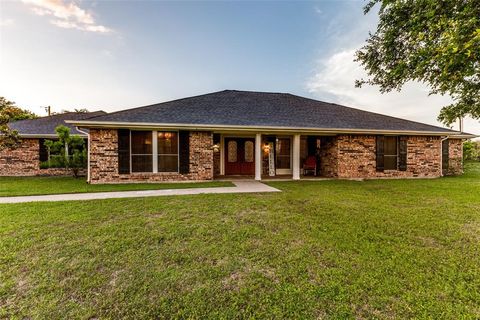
(263, 129)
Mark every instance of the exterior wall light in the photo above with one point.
(266, 148)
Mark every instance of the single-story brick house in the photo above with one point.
(25, 160)
(257, 134)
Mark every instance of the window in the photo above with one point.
(142, 151)
(390, 155)
(283, 153)
(43, 151)
(167, 143)
(123, 151)
(149, 151)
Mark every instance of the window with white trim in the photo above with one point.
(167, 144)
(153, 151)
(142, 151)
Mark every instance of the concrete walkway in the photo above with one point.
(240, 187)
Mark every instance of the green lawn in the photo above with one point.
(383, 249)
(22, 186)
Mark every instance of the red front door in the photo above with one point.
(239, 156)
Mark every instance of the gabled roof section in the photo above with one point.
(45, 126)
(261, 110)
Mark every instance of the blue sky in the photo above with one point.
(113, 55)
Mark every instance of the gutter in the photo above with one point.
(267, 129)
(34, 135)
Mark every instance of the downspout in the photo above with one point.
(78, 129)
(441, 155)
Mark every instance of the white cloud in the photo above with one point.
(66, 15)
(334, 79)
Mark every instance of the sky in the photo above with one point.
(113, 55)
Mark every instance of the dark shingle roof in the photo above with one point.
(47, 125)
(262, 109)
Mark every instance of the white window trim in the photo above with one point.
(140, 154)
(130, 145)
(155, 151)
(167, 154)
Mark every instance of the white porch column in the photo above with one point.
(296, 157)
(258, 156)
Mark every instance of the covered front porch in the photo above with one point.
(263, 156)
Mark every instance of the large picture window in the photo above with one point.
(167, 151)
(390, 155)
(149, 151)
(142, 151)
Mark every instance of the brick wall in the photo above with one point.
(357, 157)
(104, 160)
(455, 157)
(25, 161)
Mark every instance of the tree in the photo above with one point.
(436, 42)
(82, 110)
(10, 112)
(66, 152)
(471, 150)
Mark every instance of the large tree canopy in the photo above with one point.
(10, 112)
(436, 42)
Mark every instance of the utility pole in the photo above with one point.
(48, 109)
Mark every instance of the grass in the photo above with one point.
(23, 186)
(382, 249)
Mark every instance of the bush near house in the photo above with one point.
(471, 150)
(67, 152)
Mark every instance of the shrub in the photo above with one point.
(67, 152)
(471, 150)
